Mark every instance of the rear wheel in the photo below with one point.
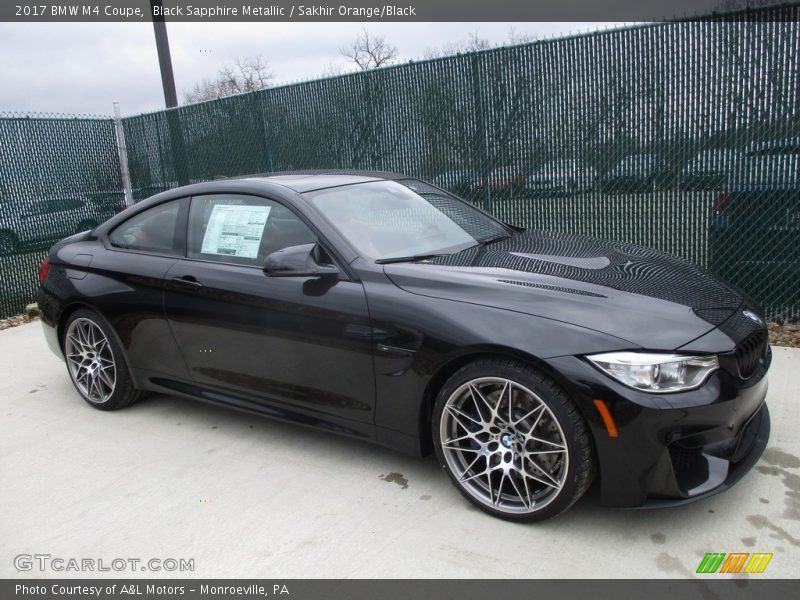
(95, 363)
(512, 441)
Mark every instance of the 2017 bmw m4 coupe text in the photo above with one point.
(384, 308)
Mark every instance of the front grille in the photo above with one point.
(750, 352)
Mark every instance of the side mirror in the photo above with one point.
(298, 261)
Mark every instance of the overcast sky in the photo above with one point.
(83, 67)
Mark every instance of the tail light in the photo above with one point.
(721, 202)
(44, 269)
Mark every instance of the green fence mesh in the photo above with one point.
(58, 175)
(682, 136)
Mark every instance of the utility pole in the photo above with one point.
(164, 59)
(180, 169)
(122, 154)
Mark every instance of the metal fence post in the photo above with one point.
(122, 154)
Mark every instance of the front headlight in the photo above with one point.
(656, 373)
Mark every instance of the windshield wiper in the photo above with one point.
(492, 240)
(399, 259)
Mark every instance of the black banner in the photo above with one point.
(357, 10)
(710, 588)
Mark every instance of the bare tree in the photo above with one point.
(369, 51)
(243, 75)
(519, 37)
(473, 43)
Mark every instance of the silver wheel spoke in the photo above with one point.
(516, 489)
(458, 439)
(539, 409)
(458, 415)
(508, 390)
(472, 464)
(103, 376)
(542, 481)
(496, 501)
(533, 438)
(553, 481)
(486, 472)
(489, 482)
(477, 395)
(529, 499)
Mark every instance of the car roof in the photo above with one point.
(307, 181)
(291, 181)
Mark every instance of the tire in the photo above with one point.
(487, 455)
(9, 243)
(95, 362)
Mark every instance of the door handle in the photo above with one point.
(187, 281)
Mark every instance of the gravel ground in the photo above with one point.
(16, 320)
(786, 334)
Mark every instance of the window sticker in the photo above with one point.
(235, 230)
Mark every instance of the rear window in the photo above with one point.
(153, 230)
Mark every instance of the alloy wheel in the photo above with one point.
(504, 445)
(90, 360)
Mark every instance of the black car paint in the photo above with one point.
(386, 337)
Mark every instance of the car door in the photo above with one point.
(126, 283)
(303, 342)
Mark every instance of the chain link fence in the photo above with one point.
(58, 175)
(681, 136)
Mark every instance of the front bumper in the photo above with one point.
(671, 449)
(716, 474)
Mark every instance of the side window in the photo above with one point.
(242, 229)
(152, 230)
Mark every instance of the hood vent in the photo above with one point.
(593, 262)
(552, 288)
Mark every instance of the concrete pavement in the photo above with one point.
(247, 497)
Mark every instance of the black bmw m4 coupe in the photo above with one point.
(384, 308)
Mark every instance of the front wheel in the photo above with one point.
(95, 363)
(512, 441)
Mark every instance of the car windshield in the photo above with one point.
(388, 219)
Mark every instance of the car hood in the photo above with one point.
(648, 298)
